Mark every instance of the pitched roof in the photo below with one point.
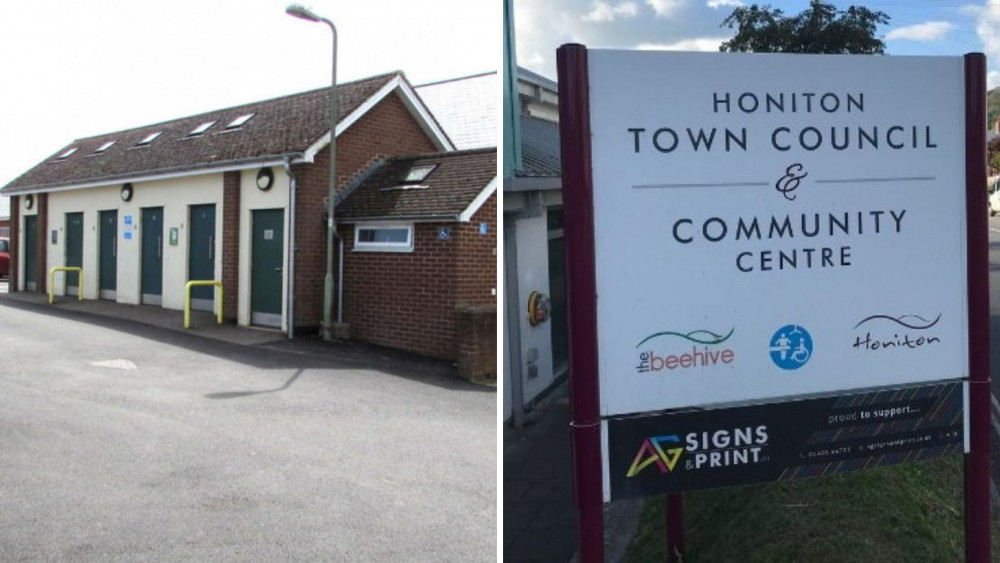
(537, 79)
(457, 181)
(466, 107)
(540, 151)
(284, 126)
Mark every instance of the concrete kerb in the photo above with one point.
(249, 345)
(203, 324)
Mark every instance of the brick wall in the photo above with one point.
(437, 300)
(388, 129)
(15, 241)
(477, 342)
(404, 300)
(476, 301)
(230, 243)
(476, 274)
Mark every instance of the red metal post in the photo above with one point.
(977, 461)
(675, 528)
(581, 285)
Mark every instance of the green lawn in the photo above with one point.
(905, 513)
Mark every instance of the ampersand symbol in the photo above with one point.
(790, 181)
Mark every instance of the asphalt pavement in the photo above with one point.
(124, 441)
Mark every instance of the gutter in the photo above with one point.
(415, 218)
(160, 174)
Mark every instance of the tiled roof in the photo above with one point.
(539, 148)
(466, 108)
(281, 126)
(449, 189)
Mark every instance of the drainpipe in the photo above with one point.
(292, 189)
(340, 277)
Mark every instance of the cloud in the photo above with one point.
(692, 44)
(927, 31)
(716, 4)
(605, 12)
(541, 26)
(988, 30)
(665, 8)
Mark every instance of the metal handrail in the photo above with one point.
(52, 272)
(187, 299)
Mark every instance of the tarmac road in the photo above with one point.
(127, 442)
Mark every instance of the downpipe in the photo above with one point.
(292, 190)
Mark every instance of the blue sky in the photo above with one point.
(916, 27)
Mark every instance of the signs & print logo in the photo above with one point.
(653, 451)
(709, 449)
(791, 347)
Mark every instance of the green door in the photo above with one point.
(108, 274)
(74, 251)
(151, 274)
(30, 240)
(266, 263)
(201, 254)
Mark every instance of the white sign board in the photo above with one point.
(775, 225)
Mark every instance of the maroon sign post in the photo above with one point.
(578, 198)
(977, 461)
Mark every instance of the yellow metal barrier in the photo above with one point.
(187, 299)
(52, 273)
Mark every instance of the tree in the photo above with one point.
(819, 29)
(993, 155)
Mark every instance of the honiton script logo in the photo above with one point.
(886, 332)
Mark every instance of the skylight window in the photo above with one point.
(202, 128)
(68, 153)
(105, 146)
(419, 173)
(149, 138)
(239, 121)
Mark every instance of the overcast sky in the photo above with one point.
(917, 27)
(76, 68)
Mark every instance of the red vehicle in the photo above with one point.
(4, 258)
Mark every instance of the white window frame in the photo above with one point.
(383, 246)
(148, 139)
(240, 121)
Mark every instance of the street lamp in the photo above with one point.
(331, 227)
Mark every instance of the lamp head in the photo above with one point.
(302, 12)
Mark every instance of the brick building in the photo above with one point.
(423, 272)
(224, 195)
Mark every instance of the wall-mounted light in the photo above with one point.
(265, 179)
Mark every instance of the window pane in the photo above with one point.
(391, 235)
(4, 246)
(420, 173)
(397, 235)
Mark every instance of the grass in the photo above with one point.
(904, 513)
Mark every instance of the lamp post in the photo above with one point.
(331, 225)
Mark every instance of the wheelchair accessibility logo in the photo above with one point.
(791, 347)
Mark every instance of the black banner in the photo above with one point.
(701, 449)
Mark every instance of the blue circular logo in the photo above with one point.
(791, 347)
